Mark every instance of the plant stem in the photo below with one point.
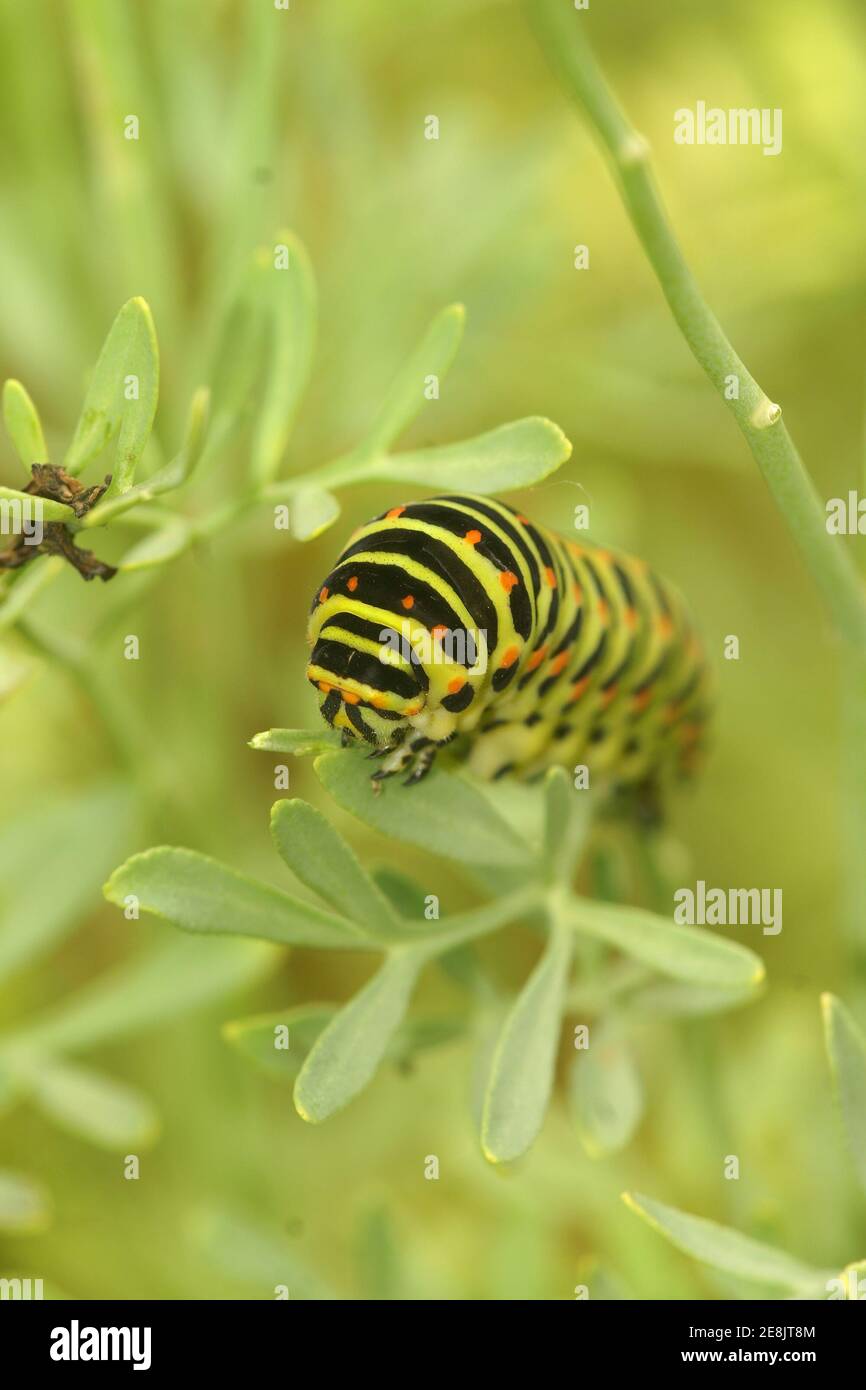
(560, 31)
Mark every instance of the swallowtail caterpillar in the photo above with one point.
(459, 616)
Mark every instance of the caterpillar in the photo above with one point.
(458, 616)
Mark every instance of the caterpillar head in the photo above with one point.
(365, 684)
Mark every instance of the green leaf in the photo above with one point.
(254, 1255)
(31, 509)
(24, 1205)
(347, 1054)
(319, 856)
(237, 364)
(566, 823)
(26, 585)
(406, 896)
(521, 1075)
(256, 1038)
(674, 999)
(96, 1108)
(81, 836)
(449, 817)
(291, 296)
(405, 399)
(130, 350)
(728, 1250)
(378, 1257)
(846, 1050)
(311, 511)
(606, 1091)
(199, 894)
(298, 742)
(156, 986)
(175, 473)
(23, 425)
(512, 456)
(162, 545)
(686, 953)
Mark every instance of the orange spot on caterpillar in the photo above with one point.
(550, 576)
(630, 619)
(603, 609)
(350, 697)
(352, 584)
(559, 663)
(508, 581)
(608, 695)
(408, 601)
(440, 630)
(642, 698)
(394, 513)
(323, 593)
(665, 626)
(325, 688)
(523, 519)
(379, 702)
(536, 659)
(473, 537)
(412, 711)
(456, 685)
(579, 687)
(509, 657)
(578, 592)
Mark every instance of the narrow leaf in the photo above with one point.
(167, 479)
(512, 456)
(159, 547)
(405, 399)
(23, 509)
(319, 856)
(128, 366)
(262, 1039)
(83, 835)
(201, 895)
(448, 803)
(182, 975)
(254, 1255)
(521, 1076)
(298, 742)
(727, 1250)
(23, 425)
(291, 296)
(846, 1049)
(347, 1054)
(606, 1091)
(96, 1108)
(686, 953)
(311, 511)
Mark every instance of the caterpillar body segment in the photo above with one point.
(458, 616)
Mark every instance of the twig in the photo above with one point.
(560, 30)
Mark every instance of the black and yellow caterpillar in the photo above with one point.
(457, 615)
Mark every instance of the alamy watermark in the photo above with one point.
(740, 125)
(442, 646)
(23, 516)
(729, 907)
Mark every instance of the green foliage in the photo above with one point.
(337, 1052)
(728, 1251)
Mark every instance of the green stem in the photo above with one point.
(560, 30)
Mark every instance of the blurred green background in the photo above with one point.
(253, 118)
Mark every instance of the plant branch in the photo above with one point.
(560, 31)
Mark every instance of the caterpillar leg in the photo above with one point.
(415, 754)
